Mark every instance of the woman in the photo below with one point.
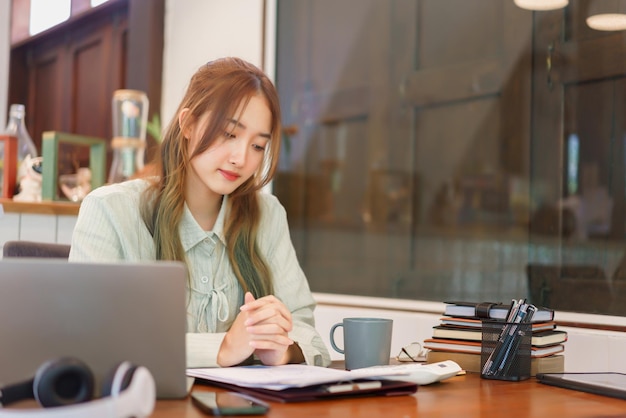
(247, 294)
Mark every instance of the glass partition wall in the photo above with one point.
(454, 150)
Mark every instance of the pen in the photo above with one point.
(501, 338)
(354, 386)
(508, 342)
(526, 313)
(510, 314)
(511, 335)
(511, 348)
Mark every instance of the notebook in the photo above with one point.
(601, 383)
(356, 388)
(100, 313)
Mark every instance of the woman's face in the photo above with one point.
(235, 155)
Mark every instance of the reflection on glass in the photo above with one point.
(572, 164)
(440, 150)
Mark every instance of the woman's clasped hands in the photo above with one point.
(261, 328)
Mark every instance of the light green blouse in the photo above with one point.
(110, 228)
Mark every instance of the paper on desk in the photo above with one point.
(287, 376)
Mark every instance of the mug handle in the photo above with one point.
(332, 338)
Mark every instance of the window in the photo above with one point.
(31, 17)
(449, 150)
(45, 14)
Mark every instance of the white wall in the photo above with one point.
(585, 350)
(197, 31)
(5, 42)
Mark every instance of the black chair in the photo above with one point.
(620, 271)
(573, 288)
(34, 249)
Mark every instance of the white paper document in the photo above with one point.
(302, 375)
(288, 376)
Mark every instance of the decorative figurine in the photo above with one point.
(29, 179)
(76, 186)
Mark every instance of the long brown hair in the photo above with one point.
(219, 86)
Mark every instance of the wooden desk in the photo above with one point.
(45, 208)
(462, 396)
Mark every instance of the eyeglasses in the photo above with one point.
(412, 352)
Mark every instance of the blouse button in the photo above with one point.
(204, 279)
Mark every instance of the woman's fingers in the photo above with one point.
(264, 302)
(266, 329)
(268, 310)
(269, 316)
(270, 342)
(268, 322)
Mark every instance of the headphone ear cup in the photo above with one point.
(118, 379)
(64, 381)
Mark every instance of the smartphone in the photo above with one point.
(228, 403)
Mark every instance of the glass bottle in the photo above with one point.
(17, 127)
(130, 117)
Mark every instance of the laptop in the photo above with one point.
(101, 314)
(601, 383)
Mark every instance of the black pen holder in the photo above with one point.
(505, 350)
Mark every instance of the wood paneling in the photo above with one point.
(144, 54)
(80, 6)
(20, 20)
(66, 76)
(92, 84)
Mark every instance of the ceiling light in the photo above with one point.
(607, 15)
(607, 21)
(541, 4)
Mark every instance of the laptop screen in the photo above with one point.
(101, 314)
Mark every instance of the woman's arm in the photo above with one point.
(102, 227)
(109, 226)
(290, 284)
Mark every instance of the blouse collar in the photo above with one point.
(191, 233)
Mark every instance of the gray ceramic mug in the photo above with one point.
(366, 341)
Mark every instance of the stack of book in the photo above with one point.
(459, 335)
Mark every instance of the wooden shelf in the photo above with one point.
(46, 208)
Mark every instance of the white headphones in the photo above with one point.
(64, 387)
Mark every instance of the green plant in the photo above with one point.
(153, 127)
